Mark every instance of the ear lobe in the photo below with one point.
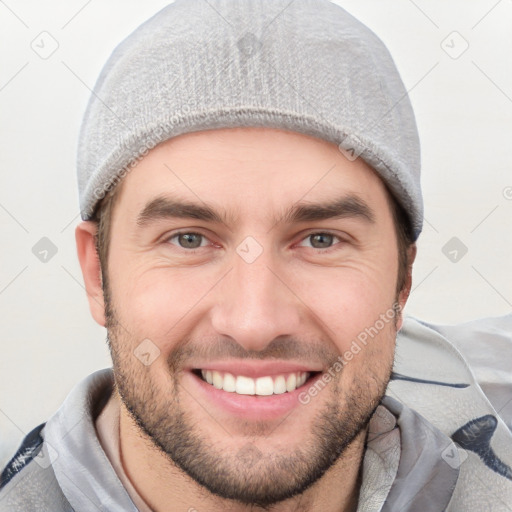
(85, 235)
(405, 292)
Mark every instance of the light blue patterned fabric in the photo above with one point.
(436, 442)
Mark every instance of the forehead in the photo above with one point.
(251, 170)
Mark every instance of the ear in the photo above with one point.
(405, 292)
(85, 235)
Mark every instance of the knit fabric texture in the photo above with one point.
(306, 66)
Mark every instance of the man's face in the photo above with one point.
(258, 293)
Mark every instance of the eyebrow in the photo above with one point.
(343, 207)
(349, 206)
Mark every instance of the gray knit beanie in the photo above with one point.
(301, 65)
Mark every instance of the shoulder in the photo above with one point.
(451, 376)
(486, 345)
(493, 332)
(28, 482)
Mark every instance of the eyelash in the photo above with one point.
(194, 251)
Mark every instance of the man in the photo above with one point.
(250, 195)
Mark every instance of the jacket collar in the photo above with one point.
(403, 468)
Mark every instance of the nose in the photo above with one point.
(256, 303)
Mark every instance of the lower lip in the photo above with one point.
(251, 407)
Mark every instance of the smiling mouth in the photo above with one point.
(261, 386)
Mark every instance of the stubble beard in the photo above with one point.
(246, 475)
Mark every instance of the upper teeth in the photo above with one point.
(260, 386)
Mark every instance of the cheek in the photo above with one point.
(163, 304)
(156, 302)
(350, 300)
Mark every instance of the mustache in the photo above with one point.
(282, 348)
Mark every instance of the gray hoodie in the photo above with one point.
(439, 441)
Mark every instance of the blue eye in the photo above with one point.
(188, 240)
(321, 240)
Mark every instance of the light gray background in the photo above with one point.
(464, 112)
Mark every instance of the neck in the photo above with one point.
(166, 488)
